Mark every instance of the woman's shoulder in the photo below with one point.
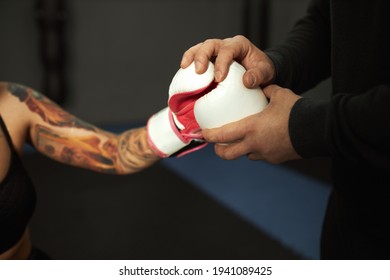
(14, 113)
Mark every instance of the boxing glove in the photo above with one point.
(195, 102)
(198, 102)
(179, 133)
(166, 139)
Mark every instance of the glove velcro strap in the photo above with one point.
(163, 136)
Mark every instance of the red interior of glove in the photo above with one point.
(181, 103)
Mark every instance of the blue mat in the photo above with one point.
(283, 203)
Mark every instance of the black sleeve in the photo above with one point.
(351, 127)
(303, 60)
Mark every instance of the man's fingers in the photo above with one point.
(188, 56)
(270, 90)
(252, 78)
(259, 73)
(222, 64)
(223, 61)
(231, 49)
(226, 134)
(197, 54)
(225, 52)
(231, 151)
(255, 156)
(201, 54)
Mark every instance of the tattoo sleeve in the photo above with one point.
(63, 137)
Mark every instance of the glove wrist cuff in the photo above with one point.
(163, 136)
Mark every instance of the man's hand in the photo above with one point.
(260, 69)
(263, 136)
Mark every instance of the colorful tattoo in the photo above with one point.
(79, 151)
(134, 151)
(62, 136)
(46, 109)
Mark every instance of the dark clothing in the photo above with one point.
(349, 41)
(17, 199)
(38, 254)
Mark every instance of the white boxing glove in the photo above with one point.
(166, 139)
(197, 102)
(229, 101)
(179, 133)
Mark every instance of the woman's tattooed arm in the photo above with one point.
(61, 136)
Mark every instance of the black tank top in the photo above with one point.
(17, 198)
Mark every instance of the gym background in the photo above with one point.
(110, 62)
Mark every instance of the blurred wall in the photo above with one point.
(123, 54)
(19, 61)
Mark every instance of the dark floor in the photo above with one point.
(151, 215)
